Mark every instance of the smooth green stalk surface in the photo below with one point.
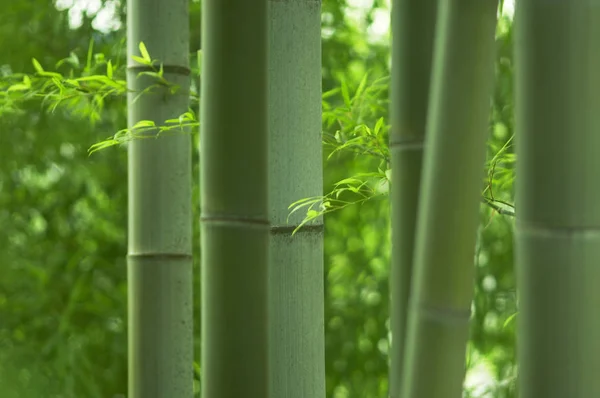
(413, 29)
(296, 341)
(439, 307)
(160, 227)
(234, 193)
(558, 197)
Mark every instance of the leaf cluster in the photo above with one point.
(82, 90)
(352, 114)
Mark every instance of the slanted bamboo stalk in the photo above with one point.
(439, 306)
(413, 30)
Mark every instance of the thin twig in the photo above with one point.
(498, 209)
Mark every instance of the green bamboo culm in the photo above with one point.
(234, 199)
(296, 311)
(442, 287)
(413, 30)
(558, 197)
(160, 216)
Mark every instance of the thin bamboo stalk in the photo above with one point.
(439, 307)
(413, 30)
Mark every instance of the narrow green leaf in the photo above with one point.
(361, 87)
(303, 202)
(144, 52)
(378, 126)
(58, 83)
(102, 145)
(509, 319)
(19, 87)
(90, 54)
(340, 191)
(345, 94)
(330, 93)
(312, 214)
(348, 181)
(109, 70)
(151, 74)
(144, 123)
(37, 66)
(141, 60)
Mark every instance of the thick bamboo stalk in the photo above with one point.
(558, 197)
(160, 228)
(413, 29)
(234, 205)
(297, 348)
(439, 307)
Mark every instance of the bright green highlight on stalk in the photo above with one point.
(558, 197)
(442, 284)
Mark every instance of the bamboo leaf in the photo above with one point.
(144, 52)
(88, 65)
(348, 181)
(361, 87)
(109, 70)
(303, 201)
(345, 94)
(312, 213)
(330, 93)
(37, 66)
(338, 192)
(144, 123)
(19, 87)
(378, 126)
(509, 320)
(102, 145)
(141, 60)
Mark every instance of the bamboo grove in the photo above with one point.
(260, 149)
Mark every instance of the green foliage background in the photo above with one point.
(63, 241)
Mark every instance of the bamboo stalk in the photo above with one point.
(558, 197)
(234, 199)
(413, 29)
(297, 353)
(160, 229)
(439, 307)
